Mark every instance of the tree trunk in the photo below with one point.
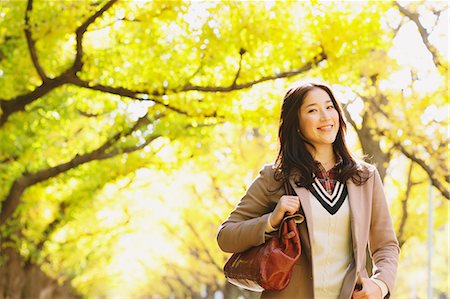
(19, 279)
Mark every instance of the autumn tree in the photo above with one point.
(94, 92)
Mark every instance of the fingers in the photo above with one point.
(287, 204)
(359, 294)
(369, 290)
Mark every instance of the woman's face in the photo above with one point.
(318, 119)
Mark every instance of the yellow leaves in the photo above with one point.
(113, 211)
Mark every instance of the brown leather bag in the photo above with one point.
(268, 267)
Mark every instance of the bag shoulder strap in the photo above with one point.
(288, 190)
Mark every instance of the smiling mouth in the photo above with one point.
(326, 128)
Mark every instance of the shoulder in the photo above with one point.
(267, 169)
(267, 175)
(367, 171)
(366, 167)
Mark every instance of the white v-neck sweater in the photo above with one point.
(331, 248)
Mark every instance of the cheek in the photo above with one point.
(305, 122)
(307, 125)
(336, 116)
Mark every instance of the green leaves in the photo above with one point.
(188, 93)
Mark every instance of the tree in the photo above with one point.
(107, 88)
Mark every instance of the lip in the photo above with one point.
(326, 127)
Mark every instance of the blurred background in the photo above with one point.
(130, 129)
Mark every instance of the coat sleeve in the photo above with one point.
(246, 224)
(383, 242)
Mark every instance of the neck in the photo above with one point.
(324, 155)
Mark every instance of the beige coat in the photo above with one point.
(370, 222)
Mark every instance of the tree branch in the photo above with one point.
(31, 43)
(411, 156)
(369, 144)
(286, 74)
(218, 192)
(128, 93)
(55, 224)
(436, 183)
(348, 117)
(18, 103)
(241, 53)
(203, 246)
(78, 63)
(205, 207)
(193, 247)
(18, 187)
(52, 226)
(414, 17)
(401, 229)
(69, 76)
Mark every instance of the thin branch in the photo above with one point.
(52, 226)
(434, 181)
(55, 224)
(193, 247)
(444, 191)
(348, 118)
(78, 63)
(128, 93)
(401, 229)
(127, 150)
(219, 193)
(414, 17)
(438, 14)
(196, 71)
(396, 29)
(204, 206)
(186, 285)
(115, 21)
(31, 43)
(241, 53)
(419, 161)
(89, 115)
(286, 74)
(202, 244)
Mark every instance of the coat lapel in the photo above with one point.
(306, 234)
(355, 198)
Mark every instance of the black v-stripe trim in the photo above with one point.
(324, 199)
(325, 195)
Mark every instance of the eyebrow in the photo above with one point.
(313, 104)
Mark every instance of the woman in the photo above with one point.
(341, 197)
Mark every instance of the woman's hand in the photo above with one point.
(370, 290)
(287, 204)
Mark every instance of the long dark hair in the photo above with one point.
(294, 160)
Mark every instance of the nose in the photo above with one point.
(324, 114)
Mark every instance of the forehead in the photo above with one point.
(316, 96)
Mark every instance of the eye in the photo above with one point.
(330, 107)
(312, 110)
